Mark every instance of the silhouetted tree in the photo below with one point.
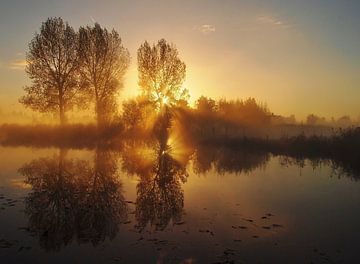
(161, 73)
(206, 105)
(52, 65)
(344, 121)
(313, 120)
(137, 114)
(247, 112)
(104, 61)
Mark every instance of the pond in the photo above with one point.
(141, 204)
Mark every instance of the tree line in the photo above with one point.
(84, 68)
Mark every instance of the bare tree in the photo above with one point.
(104, 62)
(52, 65)
(161, 73)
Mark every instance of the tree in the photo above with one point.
(137, 114)
(313, 120)
(206, 105)
(104, 62)
(161, 73)
(52, 65)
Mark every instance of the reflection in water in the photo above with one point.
(228, 160)
(70, 199)
(50, 206)
(339, 168)
(103, 204)
(160, 197)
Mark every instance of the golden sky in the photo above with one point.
(299, 57)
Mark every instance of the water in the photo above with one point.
(142, 205)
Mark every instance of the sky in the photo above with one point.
(298, 56)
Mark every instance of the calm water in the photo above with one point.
(142, 205)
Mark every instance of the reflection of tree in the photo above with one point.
(160, 198)
(235, 161)
(102, 204)
(69, 199)
(203, 159)
(339, 168)
(51, 203)
(226, 159)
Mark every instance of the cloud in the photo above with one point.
(272, 21)
(206, 29)
(17, 65)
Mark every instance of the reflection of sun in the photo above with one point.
(20, 184)
(178, 149)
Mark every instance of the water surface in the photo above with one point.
(142, 205)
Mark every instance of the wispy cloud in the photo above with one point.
(272, 21)
(17, 65)
(205, 29)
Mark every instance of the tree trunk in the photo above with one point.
(99, 115)
(98, 110)
(62, 113)
(61, 107)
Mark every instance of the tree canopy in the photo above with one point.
(104, 61)
(52, 65)
(161, 73)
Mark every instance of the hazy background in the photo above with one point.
(300, 57)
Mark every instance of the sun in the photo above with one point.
(166, 100)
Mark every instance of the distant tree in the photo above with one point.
(311, 119)
(206, 105)
(137, 113)
(315, 120)
(247, 112)
(344, 121)
(104, 61)
(161, 74)
(52, 65)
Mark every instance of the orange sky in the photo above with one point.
(295, 57)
